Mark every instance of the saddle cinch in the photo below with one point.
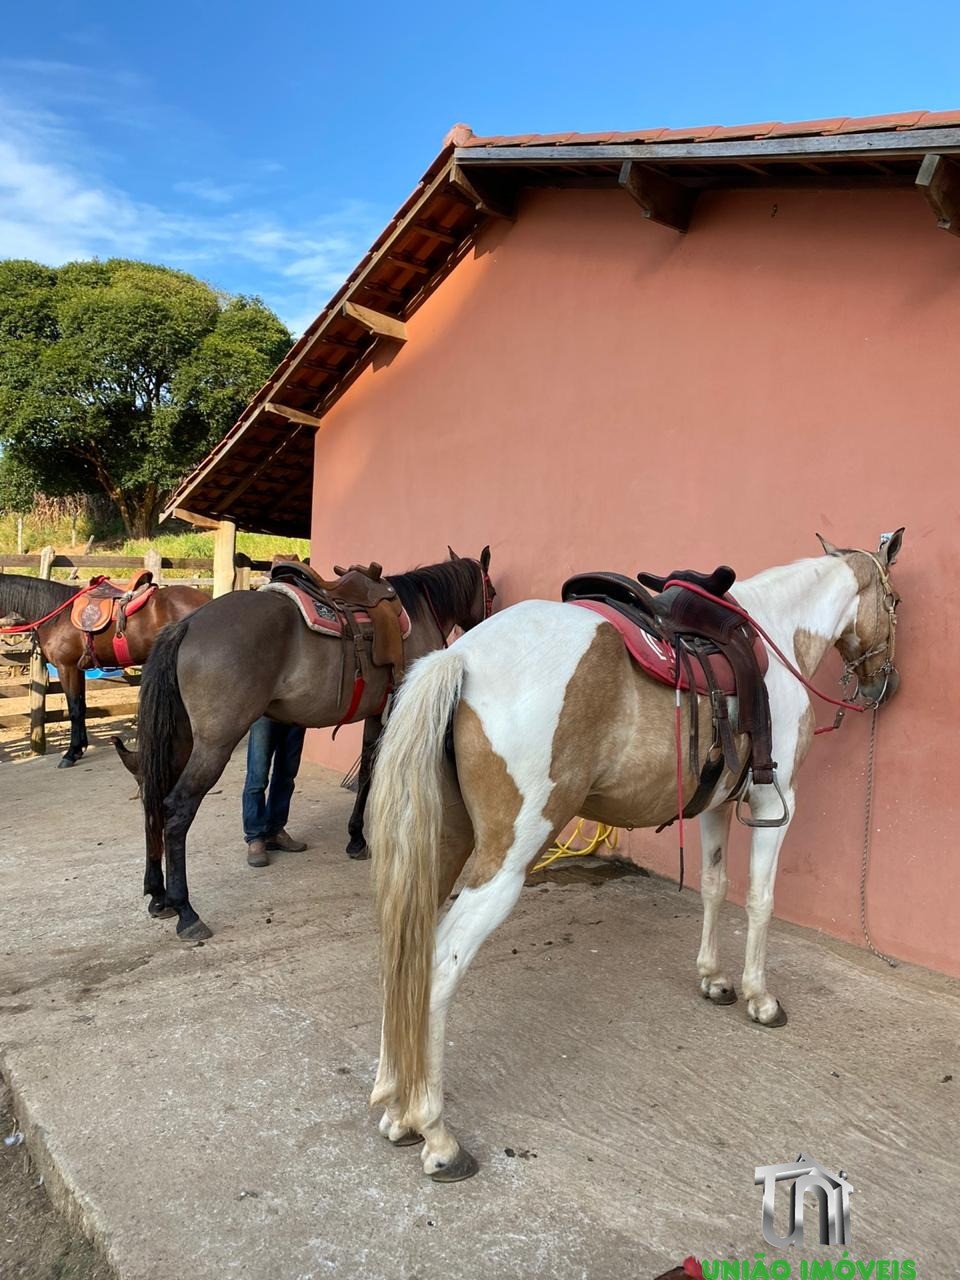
(359, 606)
(681, 639)
(109, 602)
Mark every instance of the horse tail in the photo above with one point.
(406, 815)
(161, 721)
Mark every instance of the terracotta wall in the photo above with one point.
(592, 390)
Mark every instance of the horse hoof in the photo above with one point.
(66, 764)
(461, 1167)
(358, 853)
(726, 995)
(160, 911)
(779, 1019)
(408, 1139)
(196, 932)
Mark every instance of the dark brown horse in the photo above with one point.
(249, 654)
(63, 645)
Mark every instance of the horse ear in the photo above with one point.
(828, 548)
(453, 554)
(890, 544)
(485, 559)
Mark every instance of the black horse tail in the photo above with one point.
(162, 726)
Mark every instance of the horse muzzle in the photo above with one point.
(881, 689)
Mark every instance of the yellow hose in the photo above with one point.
(603, 836)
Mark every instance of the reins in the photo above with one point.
(32, 626)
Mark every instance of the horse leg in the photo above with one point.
(714, 833)
(357, 848)
(206, 764)
(764, 853)
(72, 683)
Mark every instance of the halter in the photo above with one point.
(889, 601)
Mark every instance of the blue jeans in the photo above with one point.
(265, 811)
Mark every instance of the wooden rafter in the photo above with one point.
(292, 415)
(492, 206)
(939, 180)
(377, 322)
(661, 198)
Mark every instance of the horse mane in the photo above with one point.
(32, 598)
(451, 586)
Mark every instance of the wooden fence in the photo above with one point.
(247, 574)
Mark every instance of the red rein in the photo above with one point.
(742, 613)
(32, 626)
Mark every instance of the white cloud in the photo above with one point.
(54, 208)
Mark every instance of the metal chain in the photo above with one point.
(867, 829)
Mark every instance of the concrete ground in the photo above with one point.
(202, 1110)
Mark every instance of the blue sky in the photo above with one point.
(263, 146)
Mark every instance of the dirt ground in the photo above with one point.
(203, 1110)
(36, 1242)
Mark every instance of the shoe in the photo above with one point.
(285, 842)
(257, 854)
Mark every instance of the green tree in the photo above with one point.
(121, 375)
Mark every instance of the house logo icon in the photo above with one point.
(831, 1192)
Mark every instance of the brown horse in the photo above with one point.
(63, 645)
(249, 654)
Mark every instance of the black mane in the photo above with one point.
(32, 598)
(452, 588)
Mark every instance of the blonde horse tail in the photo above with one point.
(406, 816)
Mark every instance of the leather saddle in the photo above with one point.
(96, 609)
(359, 590)
(698, 635)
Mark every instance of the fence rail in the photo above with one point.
(38, 685)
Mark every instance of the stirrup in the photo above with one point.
(763, 822)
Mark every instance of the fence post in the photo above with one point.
(241, 577)
(153, 561)
(39, 678)
(224, 551)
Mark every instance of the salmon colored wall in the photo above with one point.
(591, 390)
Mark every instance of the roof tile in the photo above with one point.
(863, 124)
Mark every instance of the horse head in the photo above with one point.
(868, 644)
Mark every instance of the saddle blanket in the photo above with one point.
(656, 657)
(321, 618)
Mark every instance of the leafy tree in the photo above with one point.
(121, 375)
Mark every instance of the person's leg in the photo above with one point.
(259, 750)
(287, 750)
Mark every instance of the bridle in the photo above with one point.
(887, 599)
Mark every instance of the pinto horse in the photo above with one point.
(540, 715)
(249, 654)
(62, 644)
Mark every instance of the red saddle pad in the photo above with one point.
(657, 659)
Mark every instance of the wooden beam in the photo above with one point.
(376, 321)
(883, 142)
(292, 415)
(939, 180)
(224, 550)
(436, 233)
(410, 264)
(489, 205)
(661, 199)
(191, 517)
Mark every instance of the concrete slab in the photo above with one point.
(202, 1110)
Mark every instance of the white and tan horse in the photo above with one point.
(550, 718)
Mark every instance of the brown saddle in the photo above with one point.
(361, 589)
(96, 609)
(696, 631)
